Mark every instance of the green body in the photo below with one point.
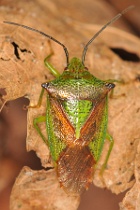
(78, 92)
(76, 121)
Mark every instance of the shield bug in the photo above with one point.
(76, 118)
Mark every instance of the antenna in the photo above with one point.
(42, 33)
(107, 24)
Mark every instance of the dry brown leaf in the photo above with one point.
(36, 192)
(22, 71)
(132, 17)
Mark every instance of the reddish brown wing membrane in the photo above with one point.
(67, 134)
(75, 169)
(90, 127)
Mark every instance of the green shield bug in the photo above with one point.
(76, 118)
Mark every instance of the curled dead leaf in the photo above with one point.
(40, 190)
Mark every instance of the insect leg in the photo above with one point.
(39, 100)
(53, 71)
(36, 121)
(108, 137)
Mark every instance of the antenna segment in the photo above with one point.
(46, 35)
(107, 24)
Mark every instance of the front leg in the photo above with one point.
(110, 139)
(36, 121)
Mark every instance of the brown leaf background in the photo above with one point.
(22, 71)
